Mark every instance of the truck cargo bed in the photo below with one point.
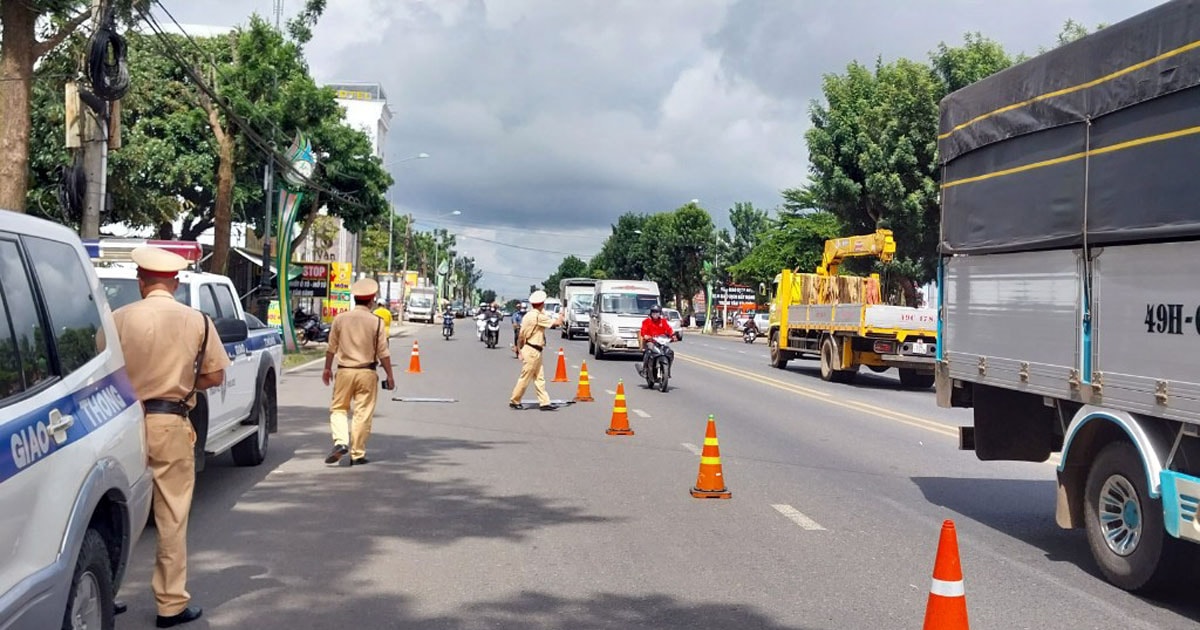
(863, 318)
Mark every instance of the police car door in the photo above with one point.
(220, 405)
(240, 376)
(61, 388)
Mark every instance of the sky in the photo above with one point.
(548, 119)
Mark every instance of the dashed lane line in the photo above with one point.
(692, 447)
(639, 413)
(797, 517)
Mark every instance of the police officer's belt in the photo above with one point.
(535, 347)
(169, 407)
(368, 366)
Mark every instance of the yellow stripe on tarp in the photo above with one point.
(1128, 144)
(1075, 88)
(710, 461)
(710, 441)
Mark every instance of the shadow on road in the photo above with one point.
(1003, 505)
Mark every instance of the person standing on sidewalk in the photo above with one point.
(358, 341)
(531, 342)
(171, 352)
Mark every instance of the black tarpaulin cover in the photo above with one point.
(1101, 136)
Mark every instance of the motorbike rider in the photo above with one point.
(653, 326)
(516, 324)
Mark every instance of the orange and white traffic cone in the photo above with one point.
(414, 363)
(560, 374)
(620, 418)
(947, 606)
(584, 392)
(710, 483)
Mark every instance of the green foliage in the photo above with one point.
(570, 267)
(792, 242)
(488, 296)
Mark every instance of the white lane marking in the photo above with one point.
(641, 414)
(610, 392)
(797, 517)
(741, 352)
(692, 447)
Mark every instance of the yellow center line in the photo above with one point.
(902, 418)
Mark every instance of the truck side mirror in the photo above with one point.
(231, 330)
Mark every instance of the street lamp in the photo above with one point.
(392, 223)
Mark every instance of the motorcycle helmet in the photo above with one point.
(656, 310)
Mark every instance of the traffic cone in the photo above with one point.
(414, 363)
(584, 392)
(710, 483)
(620, 418)
(560, 374)
(947, 606)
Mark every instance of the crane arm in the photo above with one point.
(880, 245)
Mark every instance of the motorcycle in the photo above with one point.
(447, 325)
(657, 371)
(309, 327)
(492, 330)
(750, 332)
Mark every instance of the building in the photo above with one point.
(366, 110)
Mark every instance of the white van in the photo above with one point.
(73, 477)
(618, 309)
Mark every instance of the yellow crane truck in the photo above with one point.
(842, 320)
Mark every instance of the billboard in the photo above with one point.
(341, 275)
(313, 281)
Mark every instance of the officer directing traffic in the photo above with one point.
(359, 342)
(531, 342)
(171, 352)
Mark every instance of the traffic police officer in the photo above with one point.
(359, 342)
(171, 351)
(531, 342)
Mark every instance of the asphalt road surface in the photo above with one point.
(472, 516)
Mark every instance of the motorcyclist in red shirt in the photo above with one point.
(652, 327)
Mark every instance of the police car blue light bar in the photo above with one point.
(121, 249)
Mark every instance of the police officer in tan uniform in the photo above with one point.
(531, 343)
(359, 343)
(171, 352)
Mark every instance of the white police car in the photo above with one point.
(74, 485)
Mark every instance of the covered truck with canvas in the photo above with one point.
(1069, 314)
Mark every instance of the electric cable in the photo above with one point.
(107, 66)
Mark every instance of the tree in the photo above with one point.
(617, 258)
(976, 58)
(749, 224)
(20, 50)
(488, 296)
(794, 242)
(570, 267)
(689, 245)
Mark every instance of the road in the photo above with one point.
(475, 516)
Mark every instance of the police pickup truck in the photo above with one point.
(239, 415)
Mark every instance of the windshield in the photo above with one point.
(581, 302)
(627, 303)
(123, 291)
(419, 302)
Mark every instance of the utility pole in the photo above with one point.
(95, 154)
(404, 277)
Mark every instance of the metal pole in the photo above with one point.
(391, 230)
(264, 283)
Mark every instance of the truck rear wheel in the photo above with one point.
(1125, 525)
(913, 379)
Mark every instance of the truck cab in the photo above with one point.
(239, 415)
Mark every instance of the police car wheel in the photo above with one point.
(91, 599)
(252, 450)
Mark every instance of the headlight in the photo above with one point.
(606, 328)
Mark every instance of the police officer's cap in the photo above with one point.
(538, 297)
(158, 261)
(365, 287)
